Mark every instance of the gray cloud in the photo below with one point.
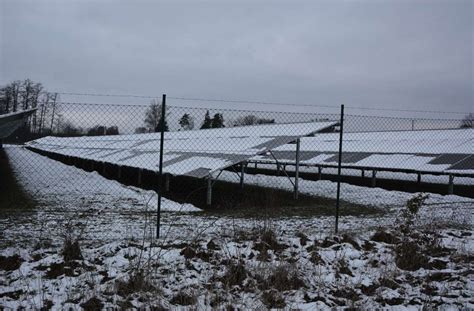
(384, 54)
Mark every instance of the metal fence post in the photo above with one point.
(451, 184)
(209, 191)
(160, 174)
(338, 195)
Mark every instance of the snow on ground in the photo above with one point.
(52, 181)
(203, 261)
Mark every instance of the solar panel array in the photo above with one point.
(195, 153)
(436, 151)
(10, 122)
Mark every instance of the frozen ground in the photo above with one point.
(205, 261)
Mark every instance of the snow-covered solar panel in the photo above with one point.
(443, 151)
(191, 153)
(10, 122)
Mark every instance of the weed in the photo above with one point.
(184, 298)
(235, 274)
(137, 282)
(283, 277)
(71, 250)
(273, 299)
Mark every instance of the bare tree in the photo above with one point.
(15, 85)
(153, 117)
(54, 107)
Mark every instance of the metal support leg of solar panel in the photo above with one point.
(294, 183)
(242, 174)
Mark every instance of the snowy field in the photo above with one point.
(203, 261)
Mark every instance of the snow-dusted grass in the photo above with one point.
(212, 261)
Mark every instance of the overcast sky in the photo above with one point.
(384, 54)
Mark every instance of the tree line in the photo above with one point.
(23, 95)
(153, 120)
(48, 118)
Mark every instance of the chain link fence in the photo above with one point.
(90, 173)
(229, 163)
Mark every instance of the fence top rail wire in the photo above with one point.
(347, 116)
(254, 102)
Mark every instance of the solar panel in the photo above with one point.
(449, 158)
(349, 157)
(466, 164)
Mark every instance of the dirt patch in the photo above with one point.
(13, 198)
(230, 200)
(385, 237)
(93, 304)
(10, 263)
(13, 295)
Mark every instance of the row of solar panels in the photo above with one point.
(437, 151)
(191, 153)
(459, 164)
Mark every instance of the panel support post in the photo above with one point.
(320, 173)
(418, 179)
(167, 182)
(209, 191)
(160, 173)
(242, 173)
(297, 168)
(338, 194)
(374, 179)
(362, 173)
(139, 176)
(451, 184)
